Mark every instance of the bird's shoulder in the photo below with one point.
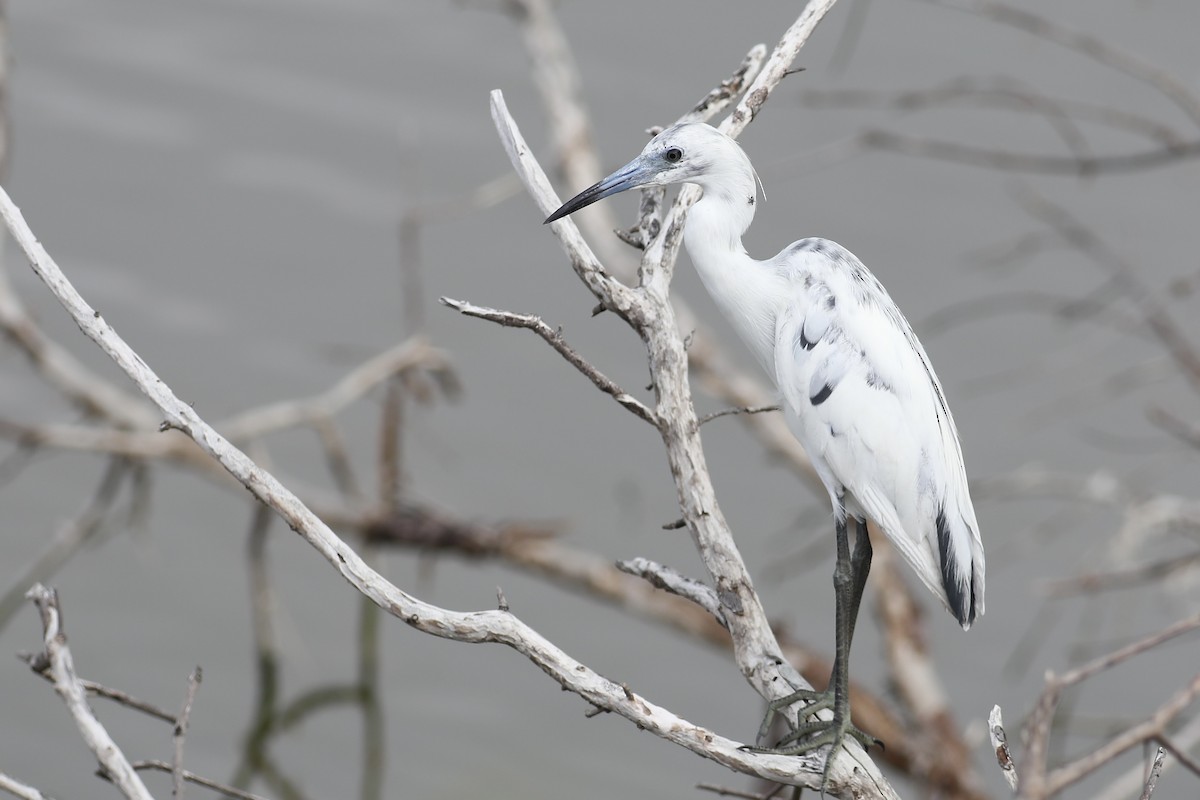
(838, 298)
(842, 322)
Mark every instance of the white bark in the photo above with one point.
(61, 668)
(473, 627)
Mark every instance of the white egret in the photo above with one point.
(857, 389)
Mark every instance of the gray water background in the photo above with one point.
(223, 181)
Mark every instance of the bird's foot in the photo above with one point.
(813, 733)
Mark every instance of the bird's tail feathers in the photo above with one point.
(960, 552)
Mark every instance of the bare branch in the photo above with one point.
(192, 777)
(474, 627)
(1114, 658)
(1008, 161)
(181, 726)
(1182, 740)
(1060, 112)
(1038, 782)
(1096, 49)
(1179, 753)
(725, 412)
(719, 98)
(555, 339)
(1178, 427)
(1155, 771)
(66, 540)
(414, 353)
(999, 741)
(567, 114)
(1146, 731)
(1122, 578)
(21, 790)
(670, 580)
(66, 683)
(725, 791)
(650, 313)
(1154, 314)
(85, 389)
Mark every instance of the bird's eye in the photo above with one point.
(673, 154)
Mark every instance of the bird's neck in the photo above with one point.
(747, 291)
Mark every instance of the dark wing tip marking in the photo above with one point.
(822, 395)
(804, 342)
(962, 603)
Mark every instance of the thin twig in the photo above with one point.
(1008, 161)
(555, 339)
(475, 627)
(1154, 314)
(67, 540)
(181, 727)
(191, 777)
(414, 353)
(1146, 731)
(670, 580)
(39, 667)
(1098, 50)
(651, 315)
(1123, 578)
(1041, 784)
(740, 410)
(725, 791)
(1179, 753)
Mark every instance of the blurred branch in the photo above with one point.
(1008, 161)
(475, 627)
(686, 605)
(1037, 782)
(557, 78)
(1123, 578)
(649, 312)
(940, 756)
(1061, 113)
(69, 537)
(1098, 50)
(1154, 314)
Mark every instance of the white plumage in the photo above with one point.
(857, 388)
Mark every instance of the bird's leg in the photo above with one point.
(860, 564)
(849, 580)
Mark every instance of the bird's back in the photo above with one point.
(861, 396)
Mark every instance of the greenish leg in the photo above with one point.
(849, 580)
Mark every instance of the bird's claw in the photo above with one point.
(814, 733)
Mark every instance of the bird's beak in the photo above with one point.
(634, 174)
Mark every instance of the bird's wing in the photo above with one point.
(867, 406)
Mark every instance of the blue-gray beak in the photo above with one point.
(634, 174)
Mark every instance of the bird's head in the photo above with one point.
(692, 152)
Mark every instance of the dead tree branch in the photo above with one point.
(58, 662)
(555, 339)
(1037, 781)
(473, 627)
(648, 311)
(22, 790)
